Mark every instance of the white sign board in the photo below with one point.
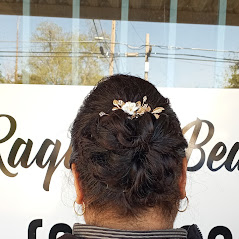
(37, 191)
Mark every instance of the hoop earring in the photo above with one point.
(82, 208)
(185, 207)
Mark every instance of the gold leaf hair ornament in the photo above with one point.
(134, 109)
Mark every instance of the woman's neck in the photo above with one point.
(151, 219)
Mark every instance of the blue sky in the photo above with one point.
(184, 73)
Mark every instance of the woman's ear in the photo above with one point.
(78, 188)
(183, 179)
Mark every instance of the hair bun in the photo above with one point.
(127, 163)
(117, 131)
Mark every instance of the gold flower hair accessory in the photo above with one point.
(134, 109)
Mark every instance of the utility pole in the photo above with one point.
(16, 64)
(148, 50)
(112, 48)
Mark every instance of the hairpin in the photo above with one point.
(134, 109)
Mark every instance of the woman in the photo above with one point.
(128, 161)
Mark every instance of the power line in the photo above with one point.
(193, 48)
(95, 28)
(198, 64)
(132, 47)
(51, 52)
(136, 32)
(72, 42)
(119, 54)
(193, 55)
(100, 42)
(104, 36)
(54, 56)
(108, 46)
(191, 59)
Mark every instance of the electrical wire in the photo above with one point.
(51, 52)
(95, 28)
(71, 42)
(116, 54)
(52, 56)
(136, 32)
(192, 48)
(191, 59)
(192, 55)
(133, 47)
(98, 37)
(107, 46)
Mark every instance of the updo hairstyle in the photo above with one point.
(124, 164)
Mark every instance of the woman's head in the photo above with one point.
(128, 165)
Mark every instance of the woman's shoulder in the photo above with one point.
(193, 232)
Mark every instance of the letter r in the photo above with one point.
(32, 229)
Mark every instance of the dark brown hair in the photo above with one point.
(127, 164)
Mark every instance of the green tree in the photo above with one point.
(51, 62)
(233, 80)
